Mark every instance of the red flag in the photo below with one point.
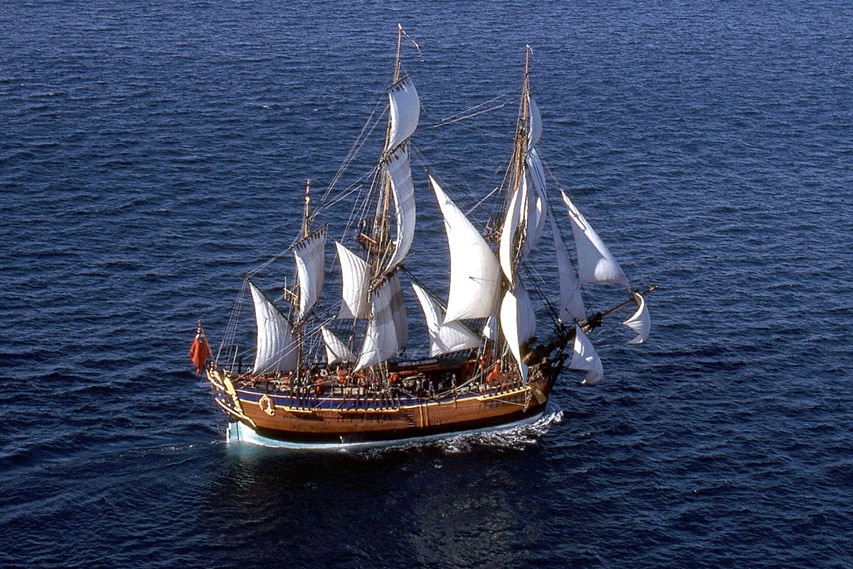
(199, 350)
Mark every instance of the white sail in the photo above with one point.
(534, 123)
(403, 190)
(572, 308)
(398, 312)
(443, 338)
(386, 329)
(595, 262)
(640, 321)
(336, 350)
(310, 269)
(490, 328)
(536, 211)
(585, 358)
(507, 248)
(535, 216)
(276, 350)
(474, 269)
(354, 279)
(405, 111)
(523, 224)
(518, 322)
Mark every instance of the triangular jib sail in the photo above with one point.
(595, 262)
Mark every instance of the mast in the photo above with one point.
(517, 179)
(382, 221)
(307, 213)
(521, 129)
(299, 325)
(520, 153)
(393, 190)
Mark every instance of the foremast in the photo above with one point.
(521, 226)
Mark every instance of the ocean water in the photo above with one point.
(153, 152)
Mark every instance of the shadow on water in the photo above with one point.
(463, 503)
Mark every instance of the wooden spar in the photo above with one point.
(522, 123)
(397, 64)
(307, 213)
(595, 320)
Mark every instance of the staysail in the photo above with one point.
(595, 262)
(443, 338)
(474, 269)
(336, 350)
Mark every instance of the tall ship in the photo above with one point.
(328, 366)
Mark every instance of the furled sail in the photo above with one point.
(386, 330)
(639, 322)
(595, 262)
(585, 358)
(336, 350)
(276, 350)
(311, 269)
(474, 269)
(572, 308)
(354, 277)
(443, 338)
(405, 111)
(403, 190)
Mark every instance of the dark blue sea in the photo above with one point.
(152, 152)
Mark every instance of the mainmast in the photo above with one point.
(382, 221)
(395, 209)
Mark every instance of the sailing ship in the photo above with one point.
(342, 376)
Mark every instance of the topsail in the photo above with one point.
(311, 270)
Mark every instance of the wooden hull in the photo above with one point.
(346, 416)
